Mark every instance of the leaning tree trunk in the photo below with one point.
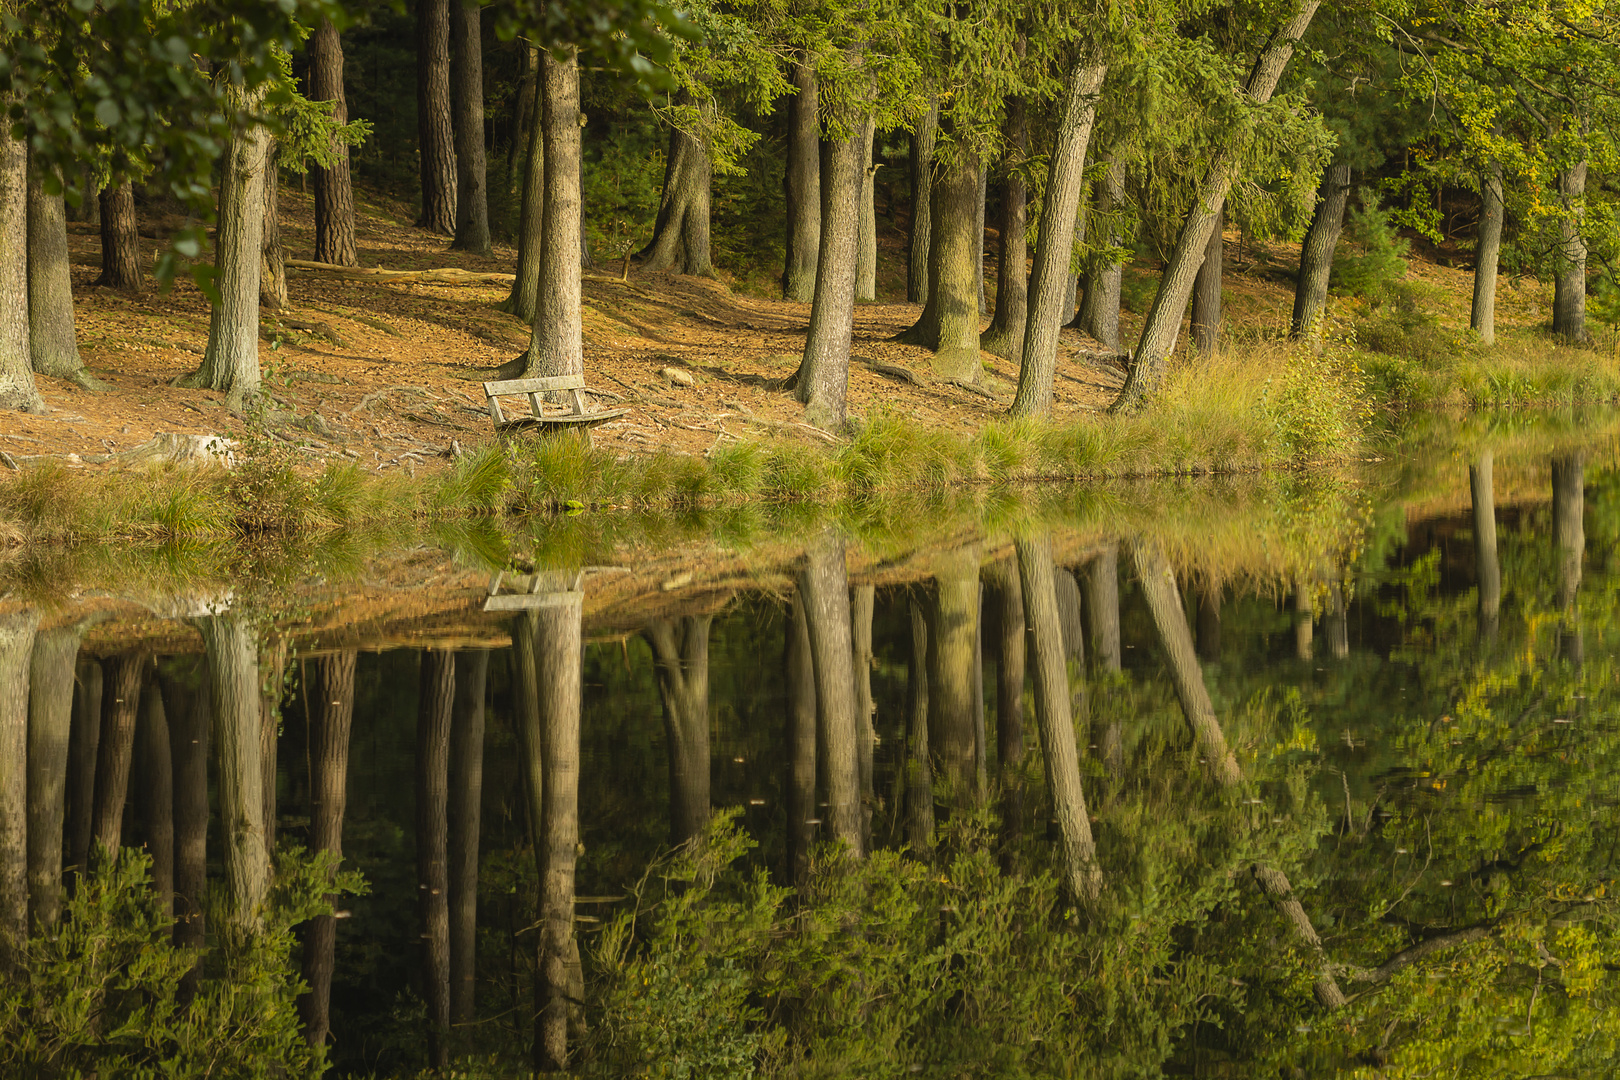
(50, 726)
(800, 678)
(434, 710)
(1082, 875)
(1163, 323)
(467, 105)
(154, 791)
(1316, 255)
(273, 261)
(920, 228)
(1007, 602)
(1206, 298)
(17, 631)
(83, 744)
(866, 237)
(231, 362)
(1487, 253)
(231, 644)
(822, 381)
(331, 719)
(953, 643)
(681, 659)
(1005, 335)
(435, 134)
(1054, 245)
(524, 301)
(824, 587)
(1569, 271)
(188, 705)
(121, 264)
(1099, 309)
(949, 323)
(53, 345)
(120, 709)
(680, 240)
(466, 796)
(919, 768)
(801, 181)
(334, 194)
(17, 390)
(1487, 569)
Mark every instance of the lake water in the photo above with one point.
(1298, 776)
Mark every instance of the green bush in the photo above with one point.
(1382, 259)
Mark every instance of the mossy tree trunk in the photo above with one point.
(1569, 266)
(800, 677)
(122, 267)
(120, 708)
(953, 644)
(801, 181)
(1487, 568)
(523, 301)
(824, 587)
(949, 324)
(680, 240)
(921, 226)
(53, 344)
(435, 705)
(334, 193)
(17, 389)
(467, 111)
(17, 631)
(681, 660)
(331, 698)
(1316, 254)
(1206, 297)
(1098, 316)
(1487, 253)
(822, 381)
(435, 129)
(466, 797)
(1005, 335)
(50, 727)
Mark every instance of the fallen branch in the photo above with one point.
(894, 371)
(442, 276)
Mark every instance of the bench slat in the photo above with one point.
(535, 386)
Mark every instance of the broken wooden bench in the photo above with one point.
(538, 419)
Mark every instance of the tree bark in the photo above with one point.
(17, 631)
(231, 643)
(949, 323)
(154, 792)
(435, 131)
(919, 768)
(17, 389)
(866, 238)
(822, 381)
(466, 796)
(1050, 304)
(824, 586)
(1206, 297)
(331, 719)
(467, 104)
(1099, 309)
(920, 229)
(802, 184)
(1163, 323)
(1281, 894)
(83, 744)
(681, 660)
(50, 726)
(1316, 255)
(523, 111)
(557, 345)
(980, 198)
(1007, 604)
(1487, 570)
(680, 240)
(334, 193)
(558, 652)
(188, 706)
(524, 300)
(1487, 253)
(273, 261)
(1102, 609)
(953, 642)
(1082, 875)
(862, 601)
(120, 708)
(1569, 535)
(121, 264)
(53, 344)
(1164, 600)
(800, 673)
(434, 709)
(1005, 335)
(1569, 269)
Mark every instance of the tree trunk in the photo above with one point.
(1163, 323)
(953, 641)
(50, 726)
(154, 792)
(1569, 268)
(919, 763)
(680, 240)
(1304, 620)
(466, 797)
(273, 665)
(467, 102)
(1082, 875)
(334, 194)
(681, 659)
(523, 111)
(1316, 255)
(559, 651)
(331, 719)
(1487, 252)
(121, 263)
(1208, 645)
(1337, 623)
(862, 601)
(822, 381)
(1487, 570)
(557, 345)
(231, 644)
(17, 631)
(273, 261)
(920, 228)
(120, 707)
(949, 323)
(824, 586)
(435, 703)
(83, 744)
(1164, 600)
(188, 706)
(53, 345)
(866, 237)
(1569, 535)
(1206, 298)
(1005, 335)
(1099, 310)
(1050, 304)
(526, 720)
(1102, 609)
(17, 389)
(800, 677)
(802, 184)
(1007, 603)
(434, 130)
(1275, 885)
(524, 299)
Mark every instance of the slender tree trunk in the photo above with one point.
(862, 601)
(334, 194)
(434, 710)
(557, 345)
(1206, 298)
(524, 299)
(800, 670)
(1099, 310)
(949, 323)
(559, 650)
(83, 744)
(1070, 620)
(273, 261)
(1487, 569)
(1163, 323)
(681, 659)
(17, 631)
(331, 719)
(1005, 335)
(680, 240)
(120, 707)
(802, 183)
(1050, 305)
(1082, 875)
(435, 133)
(953, 642)
(154, 794)
(1569, 271)
(50, 726)
(822, 381)
(1007, 603)
(466, 796)
(1102, 609)
(824, 585)
(523, 113)
(920, 229)
(467, 103)
(1316, 254)
(1304, 620)
(526, 721)
(866, 238)
(1281, 894)
(1208, 645)
(919, 763)
(1164, 601)
(1337, 623)
(121, 264)
(273, 664)
(1569, 534)
(1487, 253)
(17, 389)
(53, 344)
(188, 706)
(233, 663)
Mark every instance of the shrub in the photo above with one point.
(1382, 261)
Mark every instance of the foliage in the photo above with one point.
(1381, 261)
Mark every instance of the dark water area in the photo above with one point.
(1315, 780)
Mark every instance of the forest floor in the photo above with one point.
(385, 373)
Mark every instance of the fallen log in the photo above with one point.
(443, 276)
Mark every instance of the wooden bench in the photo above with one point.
(567, 419)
